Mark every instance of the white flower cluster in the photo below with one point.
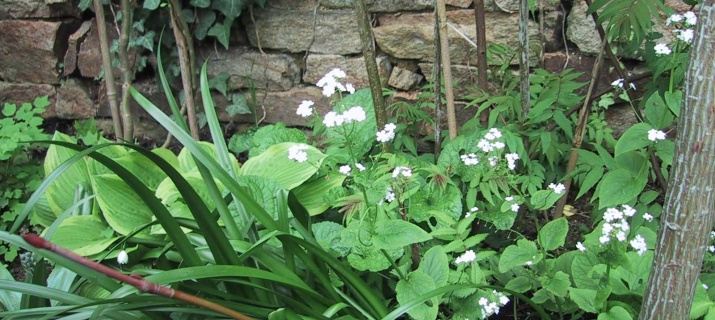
(655, 135)
(470, 159)
(488, 144)
(492, 307)
(354, 114)
(305, 109)
(386, 134)
(122, 257)
(469, 213)
(511, 160)
(404, 171)
(557, 188)
(617, 226)
(466, 257)
(331, 83)
(711, 248)
(619, 84)
(296, 153)
(580, 246)
(684, 23)
(346, 169)
(389, 195)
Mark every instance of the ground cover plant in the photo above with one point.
(353, 221)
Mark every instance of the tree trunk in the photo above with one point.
(368, 51)
(690, 202)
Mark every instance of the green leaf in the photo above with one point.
(222, 32)
(61, 194)
(219, 82)
(701, 303)
(392, 234)
(435, 264)
(635, 138)
(553, 234)
(9, 109)
(518, 255)
(593, 176)
(544, 199)
(206, 20)
(84, 4)
(447, 201)
(327, 234)
(151, 4)
(619, 187)
(239, 105)
(362, 135)
(616, 313)
(519, 284)
(10, 300)
(274, 163)
(558, 285)
(581, 268)
(230, 8)
(657, 112)
(417, 284)
(120, 205)
(82, 235)
(200, 3)
(674, 100)
(585, 299)
(311, 194)
(266, 136)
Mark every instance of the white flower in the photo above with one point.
(621, 236)
(557, 188)
(469, 213)
(485, 145)
(345, 170)
(674, 18)
(632, 85)
(296, 153)
(493, 160)
(639, 244)
(389, 195)
(354, 114)
(360, 166)
(405, 171)
(711, 249)
(690, 18)
(386, 134)
(604, 239)
(618, 83)
(662, 49)
(511, 160)
(349, 88)
(529, 263)
(332, 119)
(469, 159)
(330, 82)
(123, 257)
(498, 145)
(305, 108)
(468, 256)
(655, 135)
(495, 132)
(515, 207)
(628, 211)
(509, 198)
(685, 35)
(612, 214)
(705, 286)
(503, 299)
(712, 235)
(580, 246)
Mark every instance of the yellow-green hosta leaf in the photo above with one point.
(311, 194)
(82, 235)
(149, 173)
(187, 163)
(61, 194)
(169, 194)
(113, 152)
(274, 164)
(167, 155)
(120, 205)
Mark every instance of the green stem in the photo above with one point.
(394, 265)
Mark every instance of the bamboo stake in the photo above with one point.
(107, 66)
(447, 69)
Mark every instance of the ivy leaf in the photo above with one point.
(146, 41)
(151, 4)
(219, 82)
(238, 106)
(553, 234)
(230, 8)
(222, 32)
(206, 20)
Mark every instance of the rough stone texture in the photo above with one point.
(383, 5)
(620, 118)
(317, 65)
(273, 72)
(582, 30)
(411, 36)
(89, 59)
(279, 106)
(512, 6)
(404, 79)
(464, 77)
(73, 100)
(19, 93)
(70, 61)
(299, 30)
(30, 50)
(143, 128)
(21, 9)
(147, 87)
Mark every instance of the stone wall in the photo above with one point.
(47, 47)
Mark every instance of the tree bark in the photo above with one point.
(482, 81)
(368, 52)
(107, 67)
(524, 58)
(689, 210)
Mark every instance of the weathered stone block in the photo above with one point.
(73, 43)
(464, 78)
(411, 36)
(317, 65)
(299, 30)
(89, 58)
(73, 100)
(21, 9)
(147, 87)
(382, 5)
(273, 72)
(19, 93)
(404, 79)
(30, 50)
